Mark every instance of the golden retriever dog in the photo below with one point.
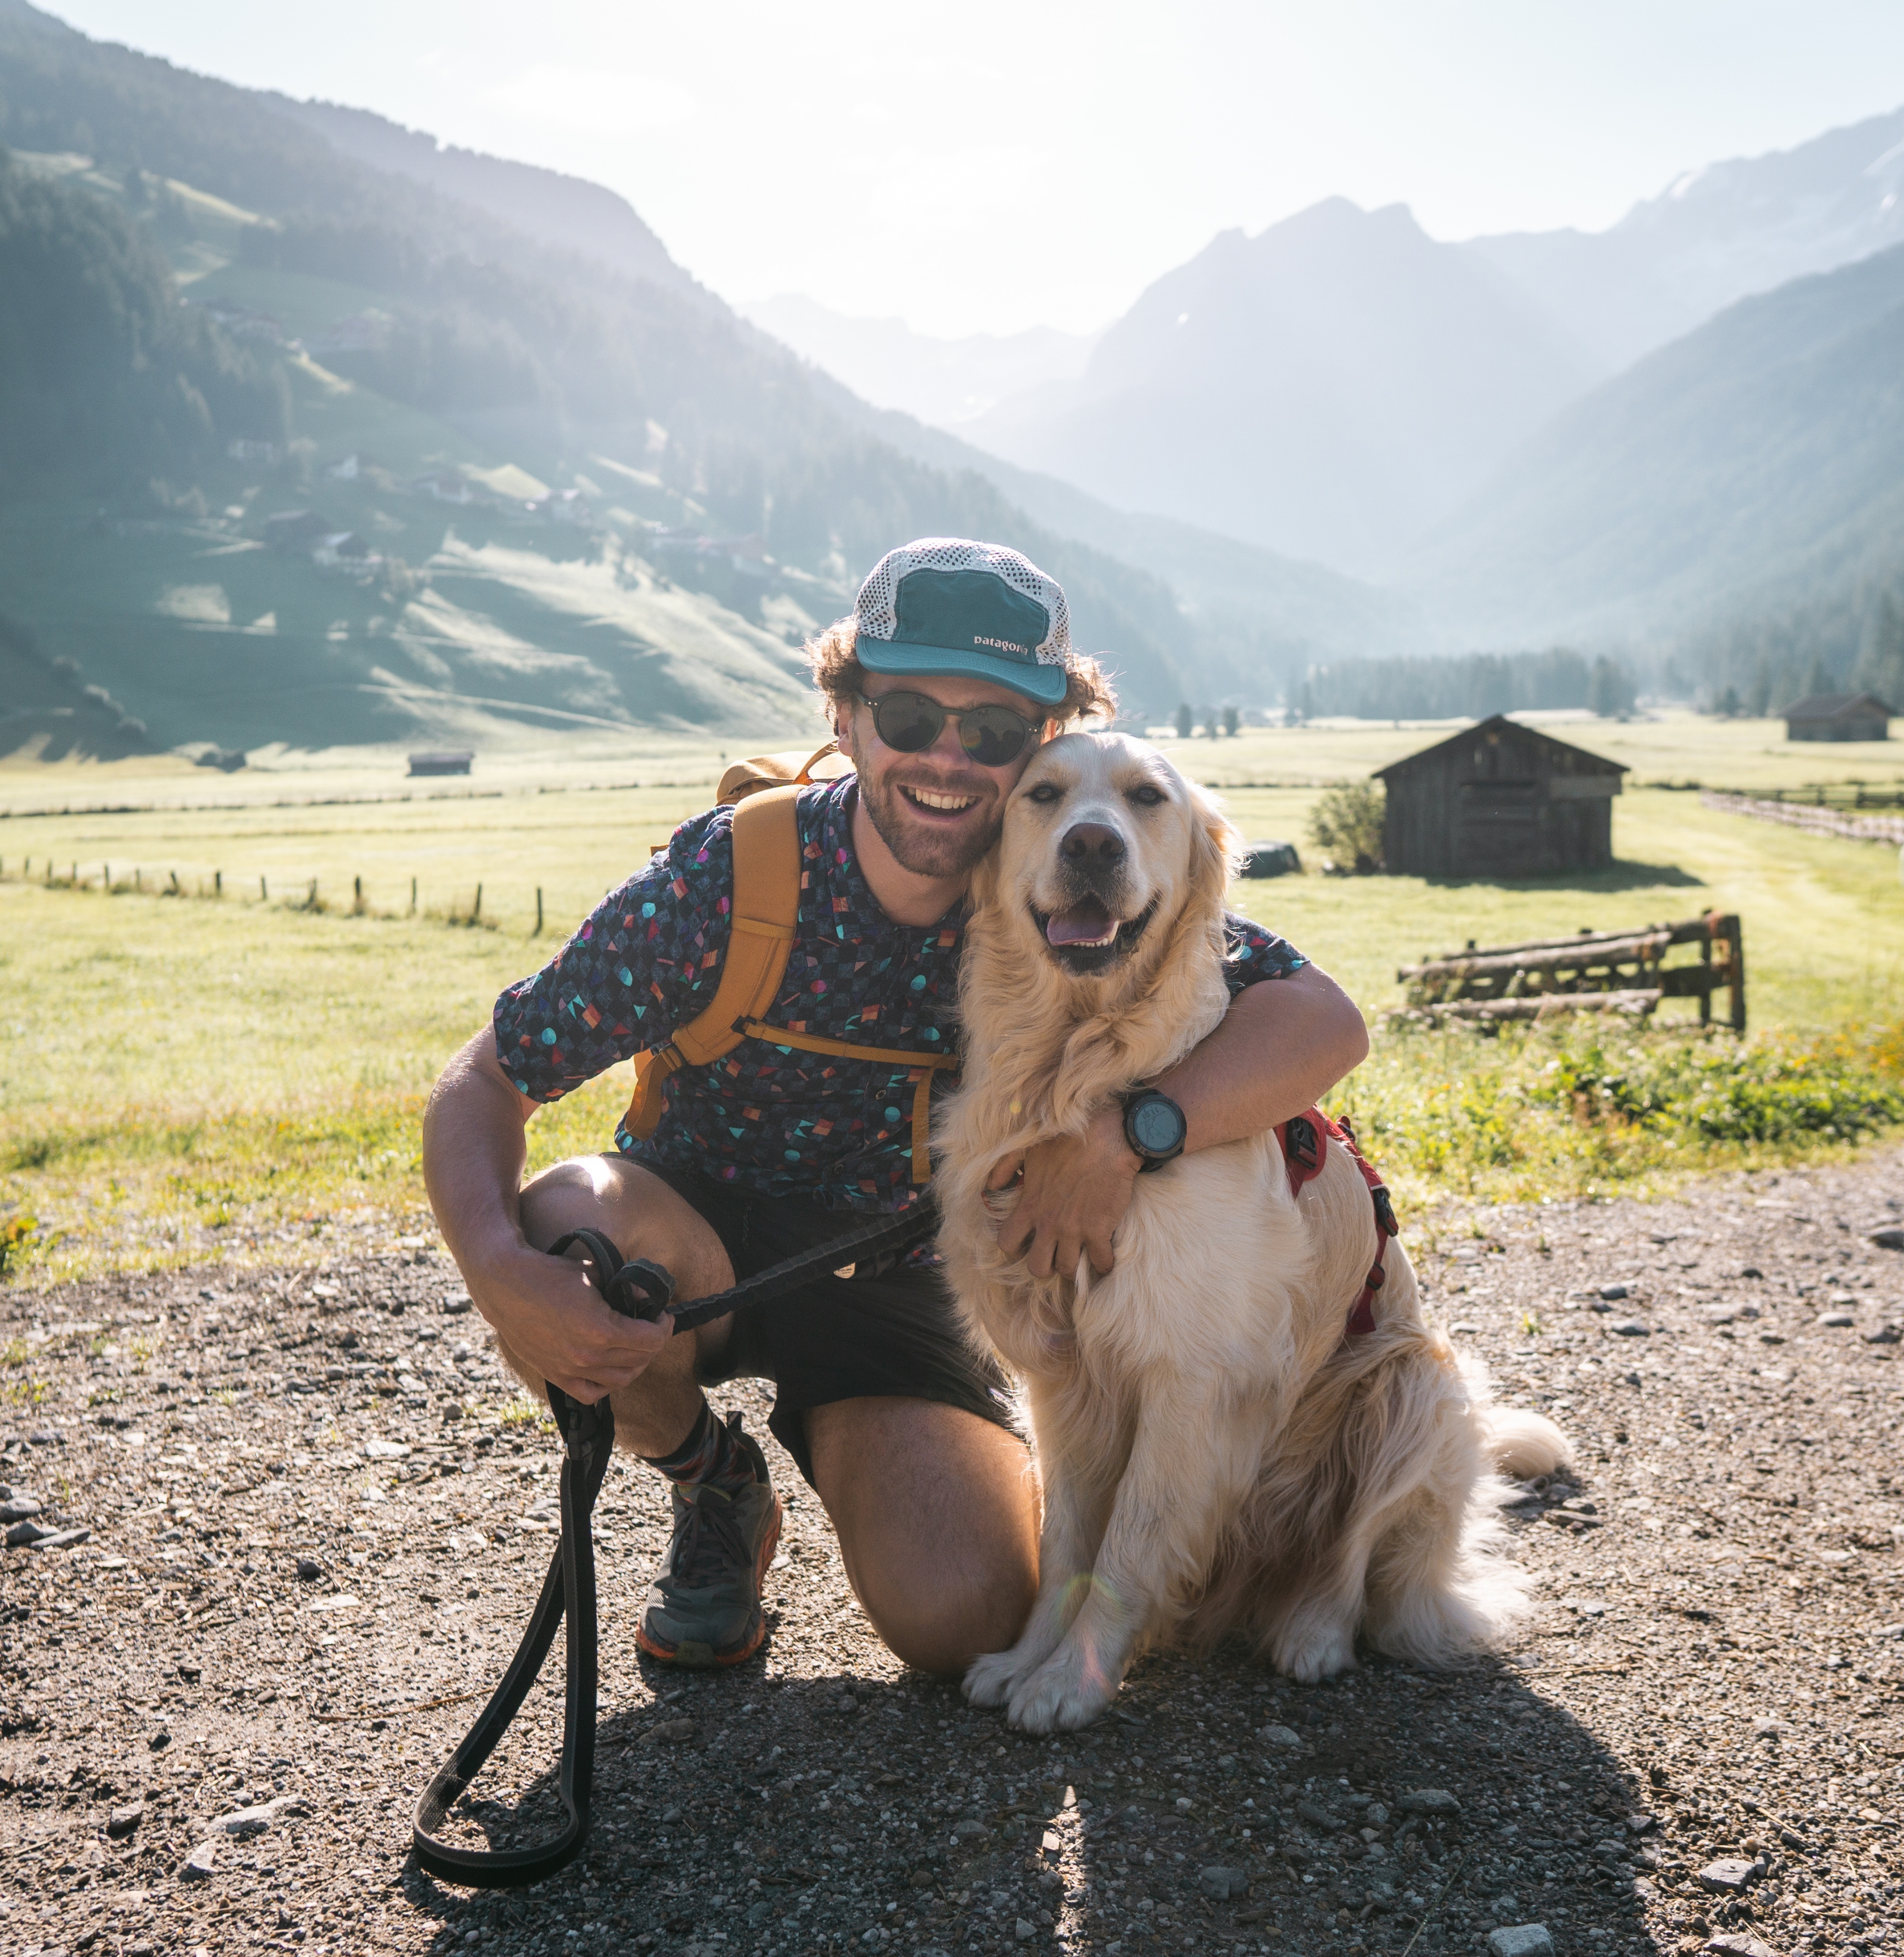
(1217, 1455)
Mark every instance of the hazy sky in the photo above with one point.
(986, 166)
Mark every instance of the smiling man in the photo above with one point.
(956, 663)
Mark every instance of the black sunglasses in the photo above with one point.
(909, 722)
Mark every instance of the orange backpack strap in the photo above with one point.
(767, 907)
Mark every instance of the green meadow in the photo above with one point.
(227, 1055)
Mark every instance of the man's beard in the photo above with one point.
(925, 852)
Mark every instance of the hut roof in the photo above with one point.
(1544, 745)
(1839, 707)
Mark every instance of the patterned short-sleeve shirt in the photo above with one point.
(771, 1119)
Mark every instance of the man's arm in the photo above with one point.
(545, 1307)
(1283, 1045)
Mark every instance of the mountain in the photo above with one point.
(1752, 469)
(1326, 390)
(1715, 235)
(939, 380)
(564, 211)
(1336, 386)
(512, 469)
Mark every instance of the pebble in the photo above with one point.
(1834, 1319)
(1741, 1943)
(309, 1570)
(1429, 1801)
(385, 1450)
(675, 1731)
(1885, 1335)
(1729, 1876)
(122, 1820)
(1522, 1940)
(1220, 1884)
(1888, 1236)
(1278, 1736)
(18, 1506)
(1612, 1292)
(969, 1830)
(1024, 1929)
(201, 1865)
(1630, 1328)
(244, 1822)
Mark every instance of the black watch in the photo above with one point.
(1154, 1127)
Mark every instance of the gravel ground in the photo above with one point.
(314, 1529)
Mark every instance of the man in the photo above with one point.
(956, 663)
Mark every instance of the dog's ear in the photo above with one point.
(1216, 852)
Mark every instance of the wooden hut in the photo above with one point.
(1498, 799)
(1838, 716)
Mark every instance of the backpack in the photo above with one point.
(763, 791)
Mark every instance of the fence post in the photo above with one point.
(263, 891)
(357, 892)
(218, 883)
(138, 877)
(311, 902)
(478, 912)
(537, 931)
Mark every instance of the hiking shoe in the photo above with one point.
(704, 1605)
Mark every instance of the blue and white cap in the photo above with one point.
(945, 604)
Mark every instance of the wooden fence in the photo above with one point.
(1596, 971)
(1837, 816)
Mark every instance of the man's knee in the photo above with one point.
(941, 1625)
(638, 1213)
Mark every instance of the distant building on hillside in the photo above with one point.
(1838, 716)
(444, 485)
(296, 529)
(1498, 799)
(346, 552)
(441, 761)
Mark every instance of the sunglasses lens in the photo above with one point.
(993, 735)
(908, 722)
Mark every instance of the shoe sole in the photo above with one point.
(692, 1657)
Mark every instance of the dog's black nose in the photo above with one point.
(1090, 843)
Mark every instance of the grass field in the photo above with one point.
(182, 1075)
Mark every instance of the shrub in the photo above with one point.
(1346, 825)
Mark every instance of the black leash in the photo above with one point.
(638, 1289)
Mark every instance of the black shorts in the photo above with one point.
(836, 1339)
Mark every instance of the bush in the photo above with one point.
(1346, 825)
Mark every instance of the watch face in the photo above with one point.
(1157, 1125)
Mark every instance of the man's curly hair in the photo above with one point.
(837, 673)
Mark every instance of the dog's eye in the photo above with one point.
(1045, 793)
(1146, 797)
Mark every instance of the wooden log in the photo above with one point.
(1638, 1002)
(1646, 948)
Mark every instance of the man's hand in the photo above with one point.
(1076, 1192)
(550, 1314)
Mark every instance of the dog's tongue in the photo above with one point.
(1087, 923)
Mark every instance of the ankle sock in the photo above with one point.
(709, 1453)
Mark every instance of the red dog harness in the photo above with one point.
(1302, 1140)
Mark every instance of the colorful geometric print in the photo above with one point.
(768, 1118)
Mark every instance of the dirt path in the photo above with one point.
(1713, 1674)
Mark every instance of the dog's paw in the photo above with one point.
(1309, 1653)
(990, 1680)
(1069, 1690)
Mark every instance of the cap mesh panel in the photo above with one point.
(877, 609)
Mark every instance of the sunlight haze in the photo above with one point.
(1010, 166)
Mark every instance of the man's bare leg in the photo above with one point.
(643, 1218)
(937, 1511)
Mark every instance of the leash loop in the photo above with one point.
(636, 1288)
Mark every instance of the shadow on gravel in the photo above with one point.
(1215, 1807)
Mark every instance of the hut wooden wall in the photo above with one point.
(1499, 802)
